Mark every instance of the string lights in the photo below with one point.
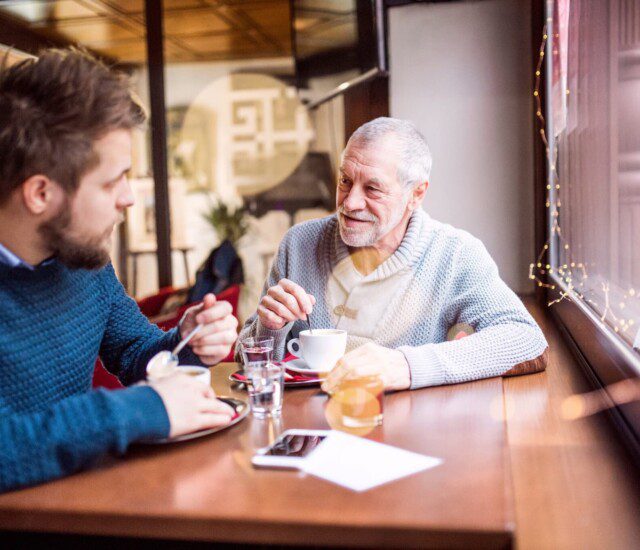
(571, 272)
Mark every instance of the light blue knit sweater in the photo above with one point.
(453, 280)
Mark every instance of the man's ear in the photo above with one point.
(40, 194)
(418, 194)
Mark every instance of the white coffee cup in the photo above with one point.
(320, 348)
(202, 374)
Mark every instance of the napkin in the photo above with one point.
(290, 376)
(361, 464)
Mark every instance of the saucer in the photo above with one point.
(240, 407)
(299, 365)
(287, 383)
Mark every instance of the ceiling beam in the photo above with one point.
(16, 34)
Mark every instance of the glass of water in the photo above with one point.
(265, 384)
(257, 349)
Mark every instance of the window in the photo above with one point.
(594, 114)
(592, 257)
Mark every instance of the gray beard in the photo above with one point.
(359, 239)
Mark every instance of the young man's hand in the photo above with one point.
(218, 334)
(191, 405)
(283, 303)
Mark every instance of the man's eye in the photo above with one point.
(344, 182)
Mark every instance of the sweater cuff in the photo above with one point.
(424, 365)
(186, 356)
(141, 412)
(264, 332)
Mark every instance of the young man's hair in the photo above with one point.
(52, 110)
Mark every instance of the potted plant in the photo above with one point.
(230, 224)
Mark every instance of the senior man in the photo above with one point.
(65, 152)
(405, 287)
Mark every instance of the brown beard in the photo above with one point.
(89, 254)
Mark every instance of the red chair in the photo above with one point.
(102, 378)
(150, 306)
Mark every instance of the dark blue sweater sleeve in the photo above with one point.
(130, 340)
(71, 434)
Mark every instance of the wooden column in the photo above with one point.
(365, 102)
(155, 60)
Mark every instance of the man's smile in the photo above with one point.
(354, 222)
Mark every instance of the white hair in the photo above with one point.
(415, 158)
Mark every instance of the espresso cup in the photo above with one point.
(320, 348)
(202, 374)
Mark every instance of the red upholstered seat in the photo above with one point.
(151, 306)
(102, 378)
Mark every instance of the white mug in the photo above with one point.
(202, 374)
(321, 348)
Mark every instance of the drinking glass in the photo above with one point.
(257, 349)
(265, 384)
(359, 401)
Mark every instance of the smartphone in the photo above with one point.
(290, 449)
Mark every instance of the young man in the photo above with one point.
(404, 286)
(65, 151)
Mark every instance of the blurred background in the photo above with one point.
(252, 102)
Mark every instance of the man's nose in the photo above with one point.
(126, 197)
(355, 200)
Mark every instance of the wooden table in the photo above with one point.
(515, 474)
(207, 490)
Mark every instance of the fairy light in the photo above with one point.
(573, 273)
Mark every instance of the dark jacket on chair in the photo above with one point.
(221, 269)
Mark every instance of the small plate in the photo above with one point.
(241, 408)
(287, 383)
(299, 365)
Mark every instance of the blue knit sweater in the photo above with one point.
(54, 322)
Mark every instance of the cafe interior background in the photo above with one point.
(252, 102)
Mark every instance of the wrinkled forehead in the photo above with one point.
(376, 156)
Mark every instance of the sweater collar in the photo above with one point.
(8, 258)
(27, 273)
(410, 249)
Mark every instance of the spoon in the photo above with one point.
(163, 362)
(309, 322)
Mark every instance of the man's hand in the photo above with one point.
(390, 364)
(283, 303)
(218, 334)
(191, 405)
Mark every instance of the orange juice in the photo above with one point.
(360, 401)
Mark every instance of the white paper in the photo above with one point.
(361, 464)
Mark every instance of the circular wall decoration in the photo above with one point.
(243, 134)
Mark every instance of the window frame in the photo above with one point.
(604, 357)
